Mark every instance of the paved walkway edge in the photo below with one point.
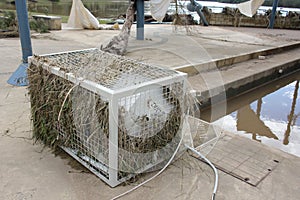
(259, 76)
(219, 63)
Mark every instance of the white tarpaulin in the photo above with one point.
(249, 8)
(81, 17)
(159, 9)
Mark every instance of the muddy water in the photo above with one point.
(99, 8)
(269, 114)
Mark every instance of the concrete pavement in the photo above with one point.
(28, 170)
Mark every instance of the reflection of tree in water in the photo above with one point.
(291, 117)
(249, 121)
(258, 109)
(295, 118)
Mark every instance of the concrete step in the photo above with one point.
(230, 60)
(228, 81)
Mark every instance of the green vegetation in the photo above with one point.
(39, 25)
(105, 21)
(64, 19)
(8, 21)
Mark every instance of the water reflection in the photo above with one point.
(291, 116)
(269, 114)
(250, 122)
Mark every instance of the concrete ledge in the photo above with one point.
(246, 76)
(53, 22)
(192, 70)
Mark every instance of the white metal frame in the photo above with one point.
(112, 96)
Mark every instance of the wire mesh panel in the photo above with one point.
(116, 116)
(149, 122)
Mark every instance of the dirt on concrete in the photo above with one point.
(31, 171)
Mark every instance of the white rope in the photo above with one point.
(169, 162)
(212, 166)
(153, 177)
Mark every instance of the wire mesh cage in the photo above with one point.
(116, 116)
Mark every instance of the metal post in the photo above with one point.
(19, 77)
(272, 20)
(195, 6)
(140, 16)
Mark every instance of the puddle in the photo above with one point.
(269, 114)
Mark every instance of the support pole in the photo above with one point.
(272, 20)
(195, 6)
(140, 17)
(19, 77)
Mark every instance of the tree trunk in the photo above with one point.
(118, 44)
